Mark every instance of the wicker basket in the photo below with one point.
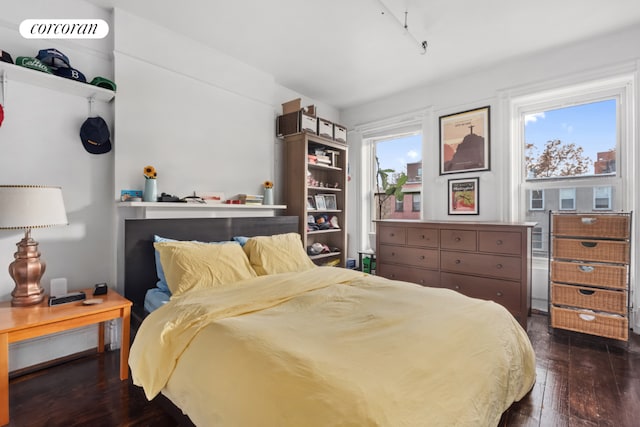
(590, 323)
(591, 250)
(603, 275)
(592, 298)
(592, 226)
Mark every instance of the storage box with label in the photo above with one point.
(296, 122)
(339, 133)
(325, 128)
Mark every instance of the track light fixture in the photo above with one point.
(422, 45)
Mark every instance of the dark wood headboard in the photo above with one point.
(139, 265)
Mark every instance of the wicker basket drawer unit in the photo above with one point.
(589, 273)
(592, 298)
(605, 275)
(604, 325)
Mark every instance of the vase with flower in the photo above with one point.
(150, 193)
(268, 193)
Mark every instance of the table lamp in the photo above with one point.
(26, 207)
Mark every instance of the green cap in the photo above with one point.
(33, 63)
(104, 82)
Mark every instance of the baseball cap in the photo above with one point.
(5, 57)
(69, 73)
(1, 114)
(94, 134)
(53, 58)
(33, 63)
(103, 82)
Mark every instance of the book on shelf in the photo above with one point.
(249, 199)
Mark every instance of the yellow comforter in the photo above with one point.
(333, 347)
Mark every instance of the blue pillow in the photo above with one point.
(162, 280)
(241, 239)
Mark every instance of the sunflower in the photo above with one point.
(150, 172)
(268, 184)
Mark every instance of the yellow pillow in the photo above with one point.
(193, 265)
(281, 253)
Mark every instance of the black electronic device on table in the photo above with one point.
(63, 299)
(100, 289)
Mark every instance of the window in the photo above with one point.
(567, 199)
(602, 198)
(536, 200)
(399, 158)
(537, 239)
(415, 203)
(568, 152)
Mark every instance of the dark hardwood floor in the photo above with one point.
(580, 382)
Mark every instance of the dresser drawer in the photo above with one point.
(392, 235)
(592, 298)
(481, 264)
(463, 240)
(425, 237)
(587, 322)
(503, 292)
(418, 257)
(591, 250)
(500, 242)
(606, 276)
(409, 274)
(593, 226)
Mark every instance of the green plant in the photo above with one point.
(388, 184)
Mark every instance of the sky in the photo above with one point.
(591, 126)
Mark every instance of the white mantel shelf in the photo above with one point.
(181, 210)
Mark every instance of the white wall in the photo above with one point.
(40, 144)
(492, 86)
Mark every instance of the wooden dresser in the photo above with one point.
(487, 260)
(589, 273)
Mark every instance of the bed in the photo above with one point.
(293, 344)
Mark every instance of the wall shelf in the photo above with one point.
(186, 210)
(12, 72)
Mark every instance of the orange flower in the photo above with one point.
(268, 184)
(150, 172)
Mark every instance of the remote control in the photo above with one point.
(74, 296)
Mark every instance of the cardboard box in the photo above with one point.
(340, 133)
(296, 122)
(291, 106)
(325, 128)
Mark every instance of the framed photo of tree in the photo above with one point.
(464, 141)
(464, 196)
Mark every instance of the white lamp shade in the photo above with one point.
(31, 206)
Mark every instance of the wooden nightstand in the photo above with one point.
(22, 323)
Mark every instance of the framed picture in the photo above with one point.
(311, 204)
(464, 141)
(330, 201)
(320, 205)
(464, 196)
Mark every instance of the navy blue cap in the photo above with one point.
(69, 73)
(53, 58)
(95, 135)
(5, 57)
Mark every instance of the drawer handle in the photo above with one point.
(421, 257)
(393, 276)
(589, 221)
(589, 244)
(393, 254)
(391, 235)
(458, 261)
(498, 242)
(456, 286)
(457, 239)
(586, 268)
(499, 293)
(587, 317)
(586, 292)
(499, 266)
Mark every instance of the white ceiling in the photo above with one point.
(347, 52)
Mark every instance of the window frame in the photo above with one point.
(571, 190)
(608, 196)
(531, 200)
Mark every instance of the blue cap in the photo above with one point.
(53, 58)
(69, 73)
